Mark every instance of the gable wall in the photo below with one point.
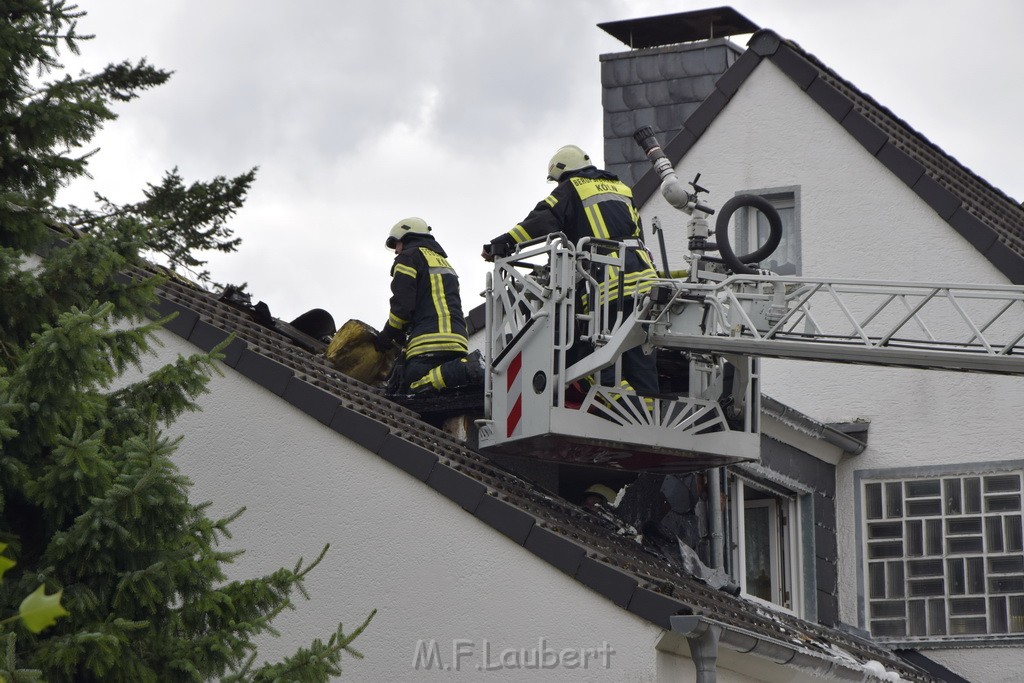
(431, 570)
(858, 221)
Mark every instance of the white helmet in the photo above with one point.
(601, 490)
(403, 228)
(568, 158)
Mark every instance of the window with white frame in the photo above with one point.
(764, 544)
(751, 230)
(943, 556)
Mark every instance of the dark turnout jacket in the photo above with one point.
(590, 202)
(425, 303)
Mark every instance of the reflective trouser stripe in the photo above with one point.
(434, 378)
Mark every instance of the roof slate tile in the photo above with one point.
(207, 336)
(505, 518)
(266, 372)
(311, 400)
(365, 431)
(610, 582)
(764, 43)
(706, 113)
(835, 103)
(733, 78)
(183, 322)
(456, 486)
(972, 229)
(557, 551)
(655, 607)
(828, 609)
(407, 456)
(906, 168)
(825, 543)
(864, 131)
(1007, 261)
(936, 196)
(794, 66)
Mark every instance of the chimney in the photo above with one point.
(672, 66)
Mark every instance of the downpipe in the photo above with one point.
(714, 503)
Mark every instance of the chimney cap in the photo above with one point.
(681, 27)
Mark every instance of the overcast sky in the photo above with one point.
(362, 112)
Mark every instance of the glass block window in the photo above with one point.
(944, 556)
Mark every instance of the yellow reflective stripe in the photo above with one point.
(588, 187)
(429, 343)
(634, 214)
(551, 200)
(444, 320)
(437, 263)
(632, 283)
(405, 270)
(437, 266)
(437, 336)
(519, 234)
(648, 401)
(434, 348)
(395, 321)
(600, 221)
(596, 220)
(606, 197)
(434, 378)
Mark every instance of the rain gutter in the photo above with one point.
(705, 636)
(783, 413)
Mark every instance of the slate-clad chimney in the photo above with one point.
(673, 65)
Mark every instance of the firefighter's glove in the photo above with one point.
(386, 340)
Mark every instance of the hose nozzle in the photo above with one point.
(673, 191)
(648, 141)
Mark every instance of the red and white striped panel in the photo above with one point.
(514, 397)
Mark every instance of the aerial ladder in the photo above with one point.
(545, 347)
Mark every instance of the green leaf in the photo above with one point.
(5, 562)
(39, 610)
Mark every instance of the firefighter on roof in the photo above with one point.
(590, 202)
(426, 313)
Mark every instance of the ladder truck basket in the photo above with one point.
(554, 323)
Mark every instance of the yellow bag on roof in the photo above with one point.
(352, 352)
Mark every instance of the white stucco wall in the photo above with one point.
(430, 569)
(857, 221)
